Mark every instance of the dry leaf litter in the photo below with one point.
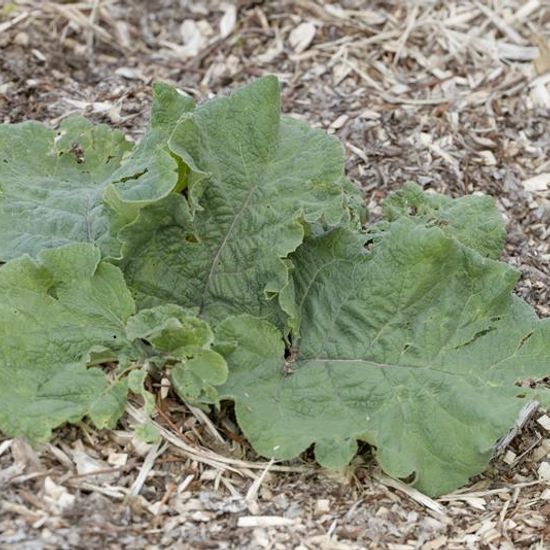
(454, 95)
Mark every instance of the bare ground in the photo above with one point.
(453, 95)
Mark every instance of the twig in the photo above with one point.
(91, 34)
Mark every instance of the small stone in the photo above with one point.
(21, 39)
(509, 457)
(322, 506)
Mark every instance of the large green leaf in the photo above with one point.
(414, 347)
(52, 184)
(53, 314)
(262, 180)
(473, 220)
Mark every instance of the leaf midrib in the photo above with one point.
(222, 246)
(375, 364)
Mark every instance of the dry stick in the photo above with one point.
(501, 25)
(524, 416)
(525, 11)
(211, 458)
(147, 466)
(252, 493)
(458, 495)
(368, 80)
(411, 21)
(16, 20)
(412, 101)
(92, 19)
(77, 17)
(203, 419)
(416, 495)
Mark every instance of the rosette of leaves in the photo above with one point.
(407, 335)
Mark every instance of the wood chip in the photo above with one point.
(301, 36)
(542, 61)
(544, 421)
(264, 521)
(509, 457)
(544, 471)
(541, 182)
(228, 21)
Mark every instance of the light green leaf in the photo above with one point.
(136, 384)
(69, 310)
(170, 328)
(417, 353)
(194, 379)
(150, 172)
(53, 184)
(147, 432)
(183, 342)
(474, 219)
(169, 106)
(107, 408)
(54, 313)
(262, 179)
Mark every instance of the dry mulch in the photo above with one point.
(453, 95)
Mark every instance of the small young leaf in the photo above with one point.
(147, 432)
(182, 340)
(136, 384)
(195, 378)
(170, 328)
